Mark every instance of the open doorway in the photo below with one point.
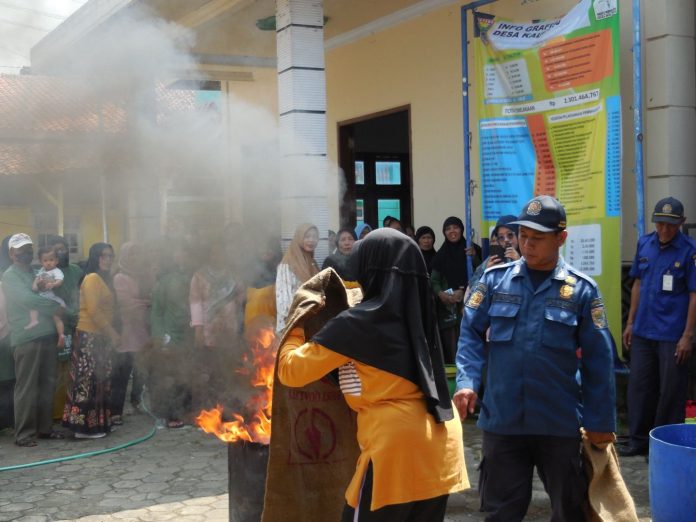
(375, 155)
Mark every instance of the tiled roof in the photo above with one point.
(44, 120)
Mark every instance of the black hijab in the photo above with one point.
(428, 255)
(394, 328)
(92, 266)
(450, 260)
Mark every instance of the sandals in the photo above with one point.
(26, 443)
(116, 420)
(175, 424)
(55, 435)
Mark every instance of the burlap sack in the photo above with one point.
(313, 449)
(608, 500)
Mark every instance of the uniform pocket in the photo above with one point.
(503, 316)
(559, 327)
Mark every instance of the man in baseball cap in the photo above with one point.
(659, 329)
(669, 210)
(17, 241)
(35, 354)
(537, 311)
(543, 213)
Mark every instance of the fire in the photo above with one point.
(260, 370)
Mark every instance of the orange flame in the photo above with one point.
(258, 429)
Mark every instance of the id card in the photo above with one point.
(667, 282)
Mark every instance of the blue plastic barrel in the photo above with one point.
(673, 473)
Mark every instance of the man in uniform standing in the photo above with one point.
(660, 327)
(539, 389)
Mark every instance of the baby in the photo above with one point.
(48, 278)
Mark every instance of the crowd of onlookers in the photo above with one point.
(79, 340)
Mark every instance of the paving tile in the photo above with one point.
(182, 475)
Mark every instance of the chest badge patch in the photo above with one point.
(571, 280)
(566, 291)
(677, 264)
(475, 300)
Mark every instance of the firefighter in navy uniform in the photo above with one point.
(540, 311)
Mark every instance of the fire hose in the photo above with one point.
(95, 452)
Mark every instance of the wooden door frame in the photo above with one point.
(346, 161)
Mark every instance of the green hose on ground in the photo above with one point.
(91, 453)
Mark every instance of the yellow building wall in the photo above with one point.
(14, 220)
(20, 219)
(91, 228)
(418, 63)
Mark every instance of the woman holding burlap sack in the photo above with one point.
(391, 372)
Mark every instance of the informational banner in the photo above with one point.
(549, 120)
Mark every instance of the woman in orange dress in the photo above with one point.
(391, 372)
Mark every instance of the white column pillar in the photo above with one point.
(302, 108)
(670, 72)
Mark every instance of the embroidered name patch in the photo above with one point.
(500, 297)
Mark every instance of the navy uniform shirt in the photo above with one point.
(532, 384)
(661, 313)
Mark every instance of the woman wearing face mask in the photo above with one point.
(87, 409)
(296, 267)
(449, 279)
(339, 260)
(504, 235)
(69, 292)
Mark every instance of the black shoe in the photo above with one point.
(631, 451)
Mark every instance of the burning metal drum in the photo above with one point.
(246, 471)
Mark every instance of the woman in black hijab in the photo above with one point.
(345, 239)
(449, 279)
(425, 237)
(391, 373)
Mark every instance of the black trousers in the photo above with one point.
(657, 388)
(7, 404)
(123, 364)
(449, 338)
(507, 468)
(430, 510)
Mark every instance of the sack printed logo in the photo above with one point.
(314, 435)
(534, 208)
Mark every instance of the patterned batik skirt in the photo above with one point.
(88, 405)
